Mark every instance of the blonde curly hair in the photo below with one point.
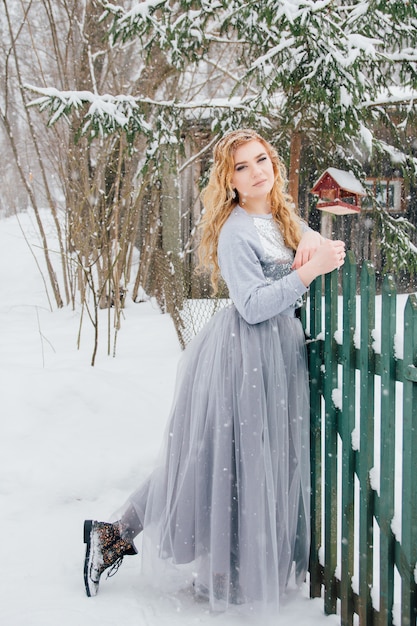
(219, 199)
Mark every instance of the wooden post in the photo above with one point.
(316, 390)
(366, 452)
(347, 426)
(387, 451)
(330, 444)
(409, 470)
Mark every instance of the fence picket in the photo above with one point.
(330, 444)
(347, 427)
(409, 472)
(316, 389)
(387, 450)
(366, 445)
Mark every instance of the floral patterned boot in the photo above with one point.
(105, 548)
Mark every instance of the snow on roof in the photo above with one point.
(344, 179)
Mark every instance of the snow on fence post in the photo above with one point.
(360, 422)
(409, 468)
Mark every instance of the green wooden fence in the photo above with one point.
(363, 449)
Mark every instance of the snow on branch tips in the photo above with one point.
(135, 22)
(106, 113)
(60, 103)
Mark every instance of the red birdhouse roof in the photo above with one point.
(334, 178)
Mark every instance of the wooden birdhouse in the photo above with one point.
(339, 192)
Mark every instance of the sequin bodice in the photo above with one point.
(278, 258)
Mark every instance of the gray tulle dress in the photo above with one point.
(226, 511)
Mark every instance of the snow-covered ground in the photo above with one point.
(75, 440)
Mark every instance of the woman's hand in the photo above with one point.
(309, 243)
(327, 257)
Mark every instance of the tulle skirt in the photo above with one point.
(226, 510)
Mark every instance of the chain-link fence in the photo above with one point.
(195, 314)
(183, 295)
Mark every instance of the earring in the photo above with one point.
(234, 194)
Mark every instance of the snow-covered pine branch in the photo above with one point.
(105, 114)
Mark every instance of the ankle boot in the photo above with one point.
(105, 548)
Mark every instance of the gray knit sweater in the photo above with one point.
(256, 266)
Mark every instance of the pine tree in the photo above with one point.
(321, 77)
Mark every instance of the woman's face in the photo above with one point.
(253, 174)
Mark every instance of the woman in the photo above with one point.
(228, 504)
